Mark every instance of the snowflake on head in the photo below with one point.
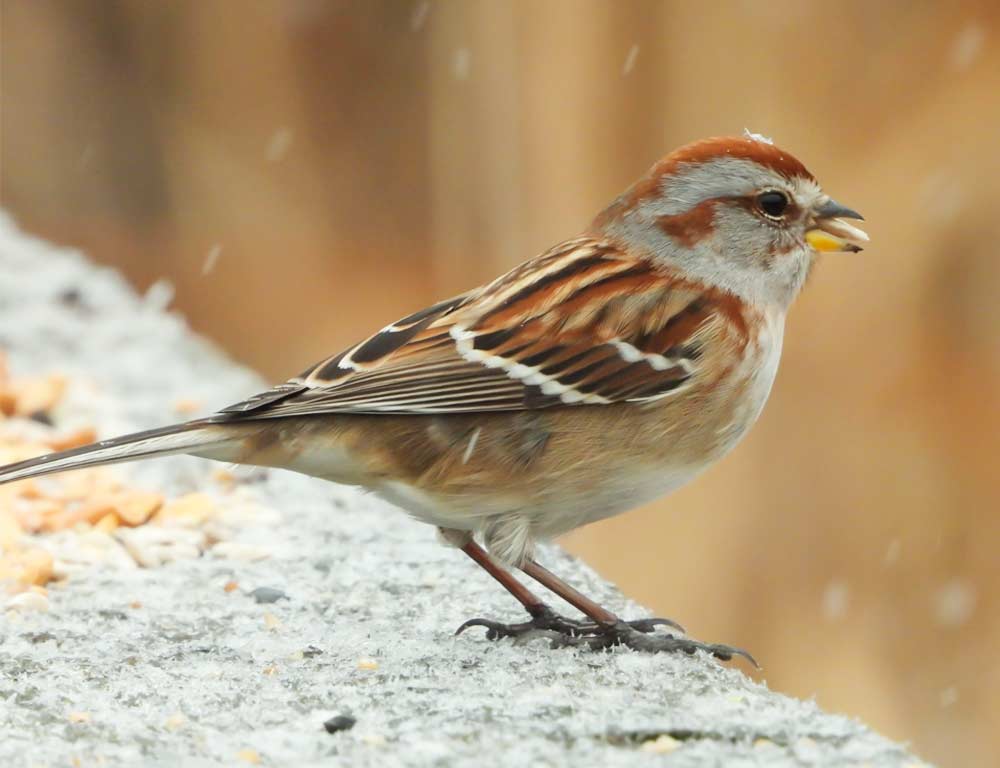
(756, 136)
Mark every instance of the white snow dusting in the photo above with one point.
(757, 136)
(165, 667)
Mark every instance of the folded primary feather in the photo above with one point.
(581, 324)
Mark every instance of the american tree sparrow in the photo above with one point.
(605, 372)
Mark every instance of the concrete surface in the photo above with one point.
(164, 666)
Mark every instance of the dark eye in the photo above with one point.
(773, 203)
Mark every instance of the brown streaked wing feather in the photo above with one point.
(580, 324)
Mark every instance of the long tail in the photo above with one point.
(178, 438)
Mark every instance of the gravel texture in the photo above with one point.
(343, 609)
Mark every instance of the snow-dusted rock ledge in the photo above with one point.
(166, 667)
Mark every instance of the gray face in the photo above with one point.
(731, 222)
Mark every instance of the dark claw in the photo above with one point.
(496, 630)
(544, 619)
(649, 625)
(638, 635)
(622, 634)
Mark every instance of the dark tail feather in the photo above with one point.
(179, 438)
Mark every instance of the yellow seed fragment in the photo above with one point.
(10, 532)
(73, 439)
(38, 394)
(27, 566)
(187, 405)
(661, 744)
(224, 478)
(188, 511)
(136, 507)
(108, 523)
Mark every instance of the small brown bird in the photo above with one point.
(605, 372)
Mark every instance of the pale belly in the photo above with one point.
(547, 514)
(543, 473)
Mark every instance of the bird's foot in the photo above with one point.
(547, 623)
(659, 642)
(639, 635)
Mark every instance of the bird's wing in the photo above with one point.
(582, 324)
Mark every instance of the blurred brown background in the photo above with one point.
(304, 171)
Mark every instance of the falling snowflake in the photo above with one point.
(211, 259)
(279, 144)
(836, 599)
(967, 46)
(892, 553)
(629, 65)
(462, 64)
(954, 603)
(948, 696)
(419, 16)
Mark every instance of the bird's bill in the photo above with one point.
(831, 234)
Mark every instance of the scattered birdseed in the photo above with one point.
(175, 722)
(38, 394)
(90, 517)
(74, 439)
(763, 743)
(661, 744)
(187, 406)
(108, 523)
(266, 595)
(339, 723)
(271, 621)
(28, 602)
(224, 478)
(249, 756)
(188, 511)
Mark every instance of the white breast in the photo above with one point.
(769, 341)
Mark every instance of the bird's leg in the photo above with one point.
(543, 618)
(601, 618)
(608, 630)
(604, 629)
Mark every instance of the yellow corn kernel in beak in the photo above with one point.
(825, 242)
